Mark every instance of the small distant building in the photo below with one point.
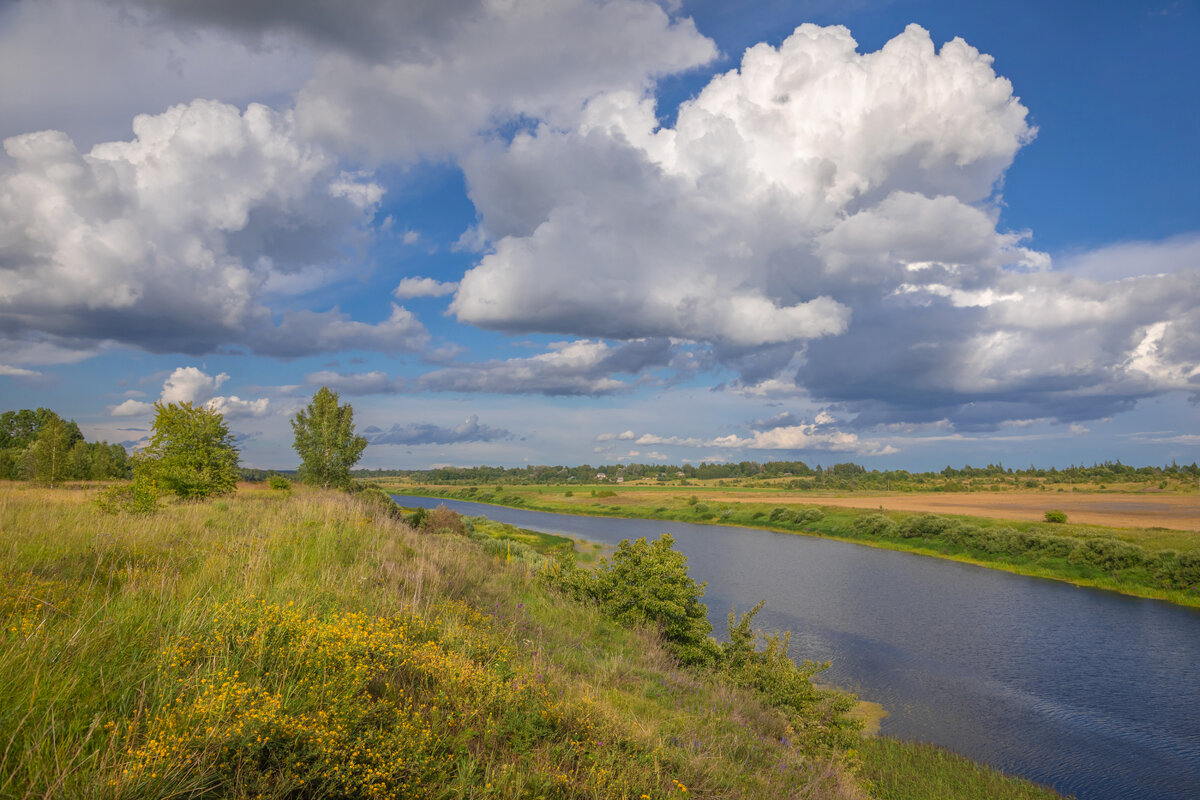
(600, 476)
(620, 479)
(679, 474)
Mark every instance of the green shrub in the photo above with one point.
(873, 525)
(780, 515)
(1056, 546)
(280, 483)
(700, 508)
(1108, 554)
(1056, 517)
(646, 583)
(926, 526)
(785, 684)
(416, 519)
(137, 497)
(1174, 570)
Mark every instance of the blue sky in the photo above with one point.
(907, 234)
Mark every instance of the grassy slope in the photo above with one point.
(644, 502)
(310, 645)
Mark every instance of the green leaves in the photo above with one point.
(325, 440)
(191, 452)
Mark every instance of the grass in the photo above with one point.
(695, 504)
(913, 771)
(309, 644)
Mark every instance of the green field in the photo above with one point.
(310, 644)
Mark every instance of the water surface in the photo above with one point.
(1092, 692)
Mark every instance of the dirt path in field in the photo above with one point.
(1116, 510)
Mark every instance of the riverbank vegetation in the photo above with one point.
(1147, 562)
(302, 643)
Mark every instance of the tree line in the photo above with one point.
(846, 475)
(39, 445)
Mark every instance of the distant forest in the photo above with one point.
(38, 445)
(799, 475)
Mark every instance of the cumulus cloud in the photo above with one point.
(423, 287)
(165, 241)
(18, 372)
(827, 221)
(787, 190)
(425, 433)
(581, 367)
(193, 385)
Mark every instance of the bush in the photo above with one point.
(416, 520)
(443, 520)
(1173, 570)
(138, 497)
(1056, 517)
(379, 500)
(1108, 554)
(1056, 546)
(809, 515)
(785, 684)
(873, 525)
(926, 526)
(700, 508)
(279, 482)
(646, 583)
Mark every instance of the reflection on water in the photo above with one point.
(1092, 692)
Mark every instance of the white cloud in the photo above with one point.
(233, 406)
(423, 287)
(615, 437)
(18, 372)
(782, 188)
(165, 241)
(131, 408)
(193, 385)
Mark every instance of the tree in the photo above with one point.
(50, 453)
(191, 452)
(325, 440)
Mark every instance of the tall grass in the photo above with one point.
(312, 645)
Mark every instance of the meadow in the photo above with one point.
(307, 644)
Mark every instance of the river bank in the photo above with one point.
(1027, 675)
(1154, 563)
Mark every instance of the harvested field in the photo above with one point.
(1178, 512)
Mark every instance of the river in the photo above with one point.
(1091, 692)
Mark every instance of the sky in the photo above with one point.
(906, 234)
